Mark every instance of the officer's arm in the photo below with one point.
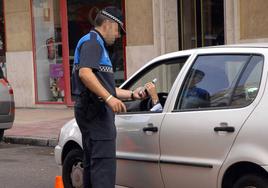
(93, 84)
(129, 94)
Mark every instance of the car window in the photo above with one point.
(165, 72)
(248, 85)
(216, 81)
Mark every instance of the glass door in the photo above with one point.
(49, 70)
(201, 23)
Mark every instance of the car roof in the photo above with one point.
(189, 51)
(244, 45)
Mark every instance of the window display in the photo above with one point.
(48, 51)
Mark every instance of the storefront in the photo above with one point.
(38, 37)
(57, 27)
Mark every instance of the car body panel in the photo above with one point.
(73, 133)
(138, 151)
(69, 132)
(251, 143)
(190, 147)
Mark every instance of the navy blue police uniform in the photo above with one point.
(94, 118)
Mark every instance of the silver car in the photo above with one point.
(7, 105)
(212, 132)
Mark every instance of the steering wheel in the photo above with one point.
(147, 103)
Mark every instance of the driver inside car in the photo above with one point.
(150, 100)
(151, 90)
(193, 96)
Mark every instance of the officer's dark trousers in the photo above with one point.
(99, 165)
(99, 158)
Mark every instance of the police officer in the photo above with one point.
(98, 99)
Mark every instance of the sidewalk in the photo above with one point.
(37, 126)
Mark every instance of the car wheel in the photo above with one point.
(72, 170)
(251, 181)
(1, 134)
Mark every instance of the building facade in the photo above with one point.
(38, 37)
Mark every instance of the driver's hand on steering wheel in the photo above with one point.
(139, 93)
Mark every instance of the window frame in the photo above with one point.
(149, 68)
(168, 61)
(185, 79)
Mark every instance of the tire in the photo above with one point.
(1, 134)
(251, 181)
(72, 170)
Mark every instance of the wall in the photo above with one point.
(19, 57)
(152, 30)
(256, 25)
(246, 21)
(18, 25)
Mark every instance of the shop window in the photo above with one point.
(49, 74)
(48, 51)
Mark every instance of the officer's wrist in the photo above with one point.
(108, 98)
(132, 95)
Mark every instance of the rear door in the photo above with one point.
(209, 107)
(138, 130)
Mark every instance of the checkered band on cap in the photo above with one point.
(111, 17)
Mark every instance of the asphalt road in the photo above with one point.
(27, 166)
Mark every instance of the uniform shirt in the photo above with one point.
(91, 52)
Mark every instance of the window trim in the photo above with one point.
(132, 81)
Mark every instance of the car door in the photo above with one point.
(138, 130)
(211, 105)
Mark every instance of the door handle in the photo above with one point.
(151, 129)
(224, 129)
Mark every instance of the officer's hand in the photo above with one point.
(116, 105)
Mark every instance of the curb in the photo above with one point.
(34, 141)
